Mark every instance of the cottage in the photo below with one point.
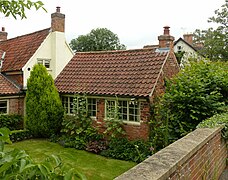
(185, 47)
(18, 56)
(129, 78)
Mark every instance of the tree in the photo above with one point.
(100, 39)
(215, 41)
(44, 111)
(17, 8)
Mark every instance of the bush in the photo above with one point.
(217, 120)
(123, 149)
(44, 111)
(19, 135)
(77, 130)
(198, 92)
(11, 121)
(96, 146)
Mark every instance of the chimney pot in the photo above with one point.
(166, 30)
(166, 40)
(3, 29)
(58, 9)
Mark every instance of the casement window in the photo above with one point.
(68, 104)
(3, 107)
(69, 101)
(45, 62)
(92, 106)
(126, 110)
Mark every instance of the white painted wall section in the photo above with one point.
(54, 48)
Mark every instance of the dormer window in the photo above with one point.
(45, 62)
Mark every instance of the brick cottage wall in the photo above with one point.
(199, 155)
(140, 131)
(133, 130)
(16, 105)
(170, 69)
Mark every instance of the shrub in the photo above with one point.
(44, 111)
(217, 120)
(77, 129)
(19, 135)
(198, 92)
(113, 125)
(96, 146)
(122, 148)
(11, 121)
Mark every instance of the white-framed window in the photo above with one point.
(68, 104)
(92, 106)
(45, 62)
(126, 110)
(3, 106)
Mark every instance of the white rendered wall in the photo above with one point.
(54, 48)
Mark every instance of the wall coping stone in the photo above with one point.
(162, 164)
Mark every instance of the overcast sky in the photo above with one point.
(136, 22)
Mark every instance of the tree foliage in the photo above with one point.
(99, 39)
(44, 111)
(17, 8)
(198, 92)
(215, 41)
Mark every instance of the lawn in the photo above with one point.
(91, 165)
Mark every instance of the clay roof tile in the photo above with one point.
(124, 72)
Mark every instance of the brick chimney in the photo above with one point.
(3, 34)
(188, 38)
(166, 40)
(58, 21)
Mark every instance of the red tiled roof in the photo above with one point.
(20, 49)
(7, 87)
(129, 72)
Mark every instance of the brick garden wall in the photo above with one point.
(199, 155)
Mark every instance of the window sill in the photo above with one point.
(128, 122)
(132, 123)
(94, 118)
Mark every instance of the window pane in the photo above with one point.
(3, 107)
(47, 63)
(40, 61)
(92, 106)
(133, 111)
(71, 99)
(123, 110)
(110, 109)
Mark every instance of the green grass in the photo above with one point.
(93, 166)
